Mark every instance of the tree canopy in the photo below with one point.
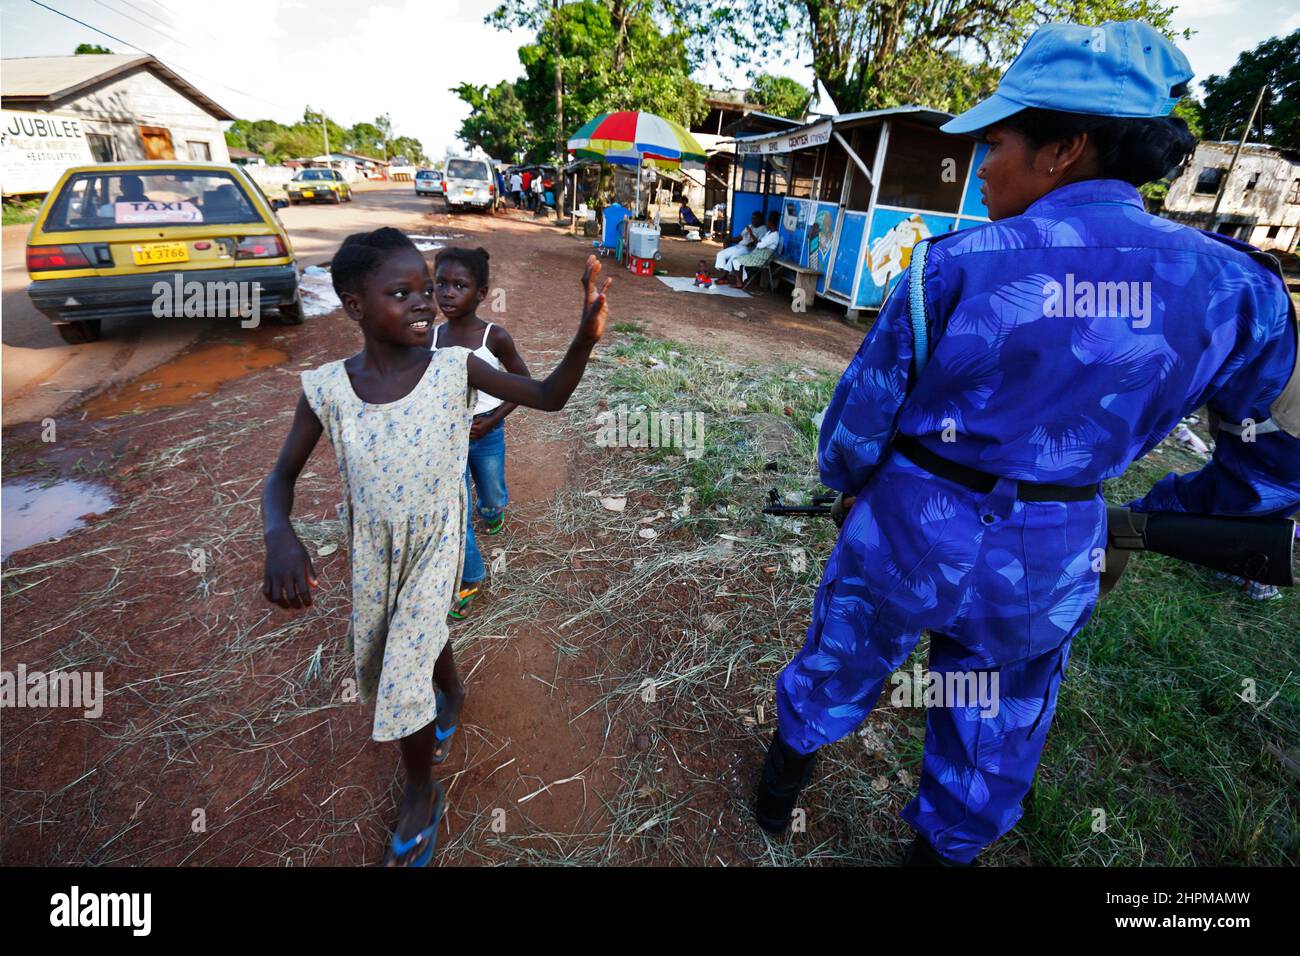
(278, 142)
(1275, 65)
(873, 55)
(587, 57)
(778, 95)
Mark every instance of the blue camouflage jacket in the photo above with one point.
(1068, 341)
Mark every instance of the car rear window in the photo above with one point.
(163, 197)
(425, 174)
(467, 169)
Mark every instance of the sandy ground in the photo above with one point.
(224, 708)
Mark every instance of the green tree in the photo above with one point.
(872, 54)
(778, 95)
(277, 142)
(1274, 64)
(1189, 111)
(497, 122)
(84, 48)
(590, 57)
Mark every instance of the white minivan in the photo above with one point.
(468, 182)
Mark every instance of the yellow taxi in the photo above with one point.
(147, 238)
(318, 185)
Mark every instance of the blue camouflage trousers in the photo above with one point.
(1002, 585)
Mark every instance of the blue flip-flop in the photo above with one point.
(443, 736)
(429, 835)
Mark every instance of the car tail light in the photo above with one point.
(259, 247)
(55, 257)
(492, 189)
(444, 185)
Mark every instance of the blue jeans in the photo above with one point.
(487, 466)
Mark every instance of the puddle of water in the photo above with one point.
(318, 296)
(193, 375)
(32, 514)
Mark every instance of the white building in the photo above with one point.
(130, 105)
(1261, 199)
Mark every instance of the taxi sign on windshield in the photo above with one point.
(128, 212)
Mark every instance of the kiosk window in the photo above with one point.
(835, 165)
(863, 141)
(924, 169)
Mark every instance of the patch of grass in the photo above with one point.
(17, 212)
(1151, 727)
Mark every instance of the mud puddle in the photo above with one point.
(32, 512)
(194, 375)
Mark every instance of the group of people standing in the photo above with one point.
(527, 189)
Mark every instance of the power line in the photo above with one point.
(147, 26)
(171, 13)
(160, 59)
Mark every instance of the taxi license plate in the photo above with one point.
(307, 194)
(469, 191)
(160, 252)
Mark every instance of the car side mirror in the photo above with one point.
(279, 204)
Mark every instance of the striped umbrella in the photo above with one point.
(628, 137)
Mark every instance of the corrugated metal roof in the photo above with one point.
(47, 79)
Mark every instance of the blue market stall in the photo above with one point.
(855, 193)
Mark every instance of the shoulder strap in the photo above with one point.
(916, 303)
(486, 332)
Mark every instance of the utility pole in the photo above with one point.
(326, 133)
(561, 137)
(1223, 184)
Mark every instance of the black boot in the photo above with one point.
(921, 853)
(785, 774)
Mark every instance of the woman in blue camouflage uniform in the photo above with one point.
(1067, 337)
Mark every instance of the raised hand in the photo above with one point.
(594, 309)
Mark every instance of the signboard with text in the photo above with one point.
(35, 149)
(805, 137)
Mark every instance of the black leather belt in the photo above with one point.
(982, 481)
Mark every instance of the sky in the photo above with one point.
(270, 58)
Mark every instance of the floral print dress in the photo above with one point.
(402, 464)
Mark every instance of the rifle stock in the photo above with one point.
(1258, 549)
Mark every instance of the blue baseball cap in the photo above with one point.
(1120, 68)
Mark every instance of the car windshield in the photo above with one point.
(314, 175)
(466, 169)
(155, 197)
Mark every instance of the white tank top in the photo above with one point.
(486, 402)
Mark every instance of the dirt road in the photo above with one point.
(42, 374)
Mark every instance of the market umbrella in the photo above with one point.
(626, 138)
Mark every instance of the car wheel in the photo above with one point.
(293, 202)
(79, 332)
(291, 313)
(338, 199)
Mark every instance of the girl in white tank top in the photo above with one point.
(461, 284)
